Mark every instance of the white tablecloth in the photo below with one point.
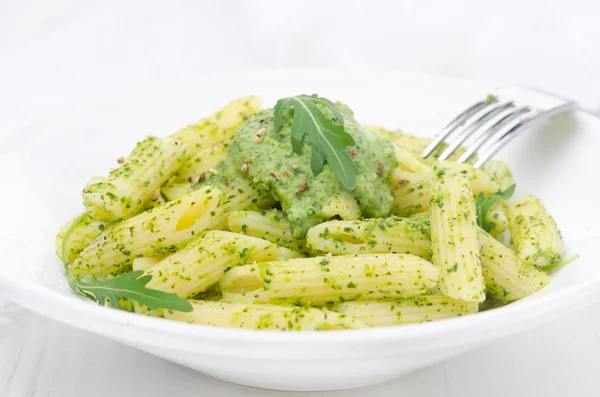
(61, 52)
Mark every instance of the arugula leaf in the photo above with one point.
(131, 286)
(328, 137)
(483, 204)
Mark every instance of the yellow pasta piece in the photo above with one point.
(127, 189)
(146, 262)
(211, 294)
(454, 238)
(343, 205)
(239, 194)
(407, 311)
(410, 162)
(506, 278)
(414, 144)
(391, 235)
(76, 235)
(535, 234)
(159, 231)
(219, 127)
(480, 181)
(138, 308)
(273, 317)
(156, 200)
(199, 164)
(500, 173)
(174, 190)
(497, 215)
(411, 182)
(203, 261)
(268, 225)
(330, 280)
(411, 192)
(164, 229)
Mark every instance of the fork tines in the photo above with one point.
(490, 121)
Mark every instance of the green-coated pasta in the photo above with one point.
(198, 165)
(500, 173)
(203, 261)
(535, 234)
(407, 311)
(330, 280)
(454, 238)
(76, 235)
(369, 236)
(506, 277)
(129, 187)
(220, 126)
(268, 225)
(257, 317)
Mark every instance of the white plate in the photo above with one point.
(45, 164)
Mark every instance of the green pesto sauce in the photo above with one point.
(272, 165)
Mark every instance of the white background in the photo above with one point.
(54, 53)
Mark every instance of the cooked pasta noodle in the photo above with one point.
(535, 234)
(454, 238)
(329, 280)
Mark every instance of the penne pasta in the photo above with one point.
(535, 234)
(454, 238)
(391, 235)
(164, 229)
(506, 277)
(407, 311)
(156, 200)
(138, 308)
(128, 188)
(497, 216)
(211, 294)
(500, 173)
(329, 280)
(416, 145)
(411, 192)
(342, 205)
(147, 262)
(76, 235)
(268, 225)
(411, 182)
(159, 231)
(174, 190)
(480, 181)
(273, 317)
(203, 261)
(239, 194)
(199, 164)
(219, 127)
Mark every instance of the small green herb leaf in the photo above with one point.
(328, 137)
(561, 264)
(483, 204)
(131, 286)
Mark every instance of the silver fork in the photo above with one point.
(488, 125)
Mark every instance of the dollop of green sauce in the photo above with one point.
(270, 162)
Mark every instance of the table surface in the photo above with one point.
(58, 53)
